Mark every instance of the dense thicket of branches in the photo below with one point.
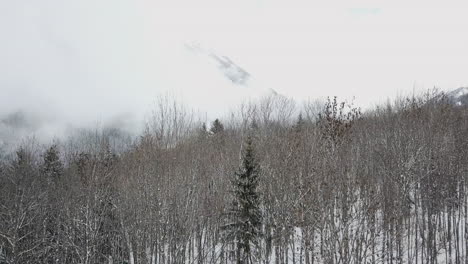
(337, 186)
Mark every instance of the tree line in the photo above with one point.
(273, 182)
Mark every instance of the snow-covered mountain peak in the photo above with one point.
(241, 81)
(232, 71)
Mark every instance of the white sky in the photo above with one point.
(366, 49)
(102, 59)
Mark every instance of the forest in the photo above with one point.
(273, 182)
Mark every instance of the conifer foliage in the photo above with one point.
(52, 167)
(245, 219)
(217, 127)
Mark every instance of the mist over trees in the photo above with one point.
(274, 182)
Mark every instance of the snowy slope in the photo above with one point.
(459, 96)
(239, 82)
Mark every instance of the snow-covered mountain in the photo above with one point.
(233, 72)
(237, 75)
(459, 96)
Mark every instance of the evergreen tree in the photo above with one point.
(244, 216)
(22, 165)
(52, 167)
(298, 127)
(216, 127)
(52, 170)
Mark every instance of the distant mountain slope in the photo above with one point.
(459, 96)
(232, 71)
(220, 82)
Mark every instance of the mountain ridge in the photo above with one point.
(459, 96)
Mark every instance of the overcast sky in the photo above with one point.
(95, 60)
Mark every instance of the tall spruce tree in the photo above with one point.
(52, 170)
(216, 127)
(52, 167)
(244, 217)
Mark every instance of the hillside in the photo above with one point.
(335, 186)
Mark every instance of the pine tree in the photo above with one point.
(52, 167)
(216, 127)
(245, 218)
(298, 127)
(52, 170)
